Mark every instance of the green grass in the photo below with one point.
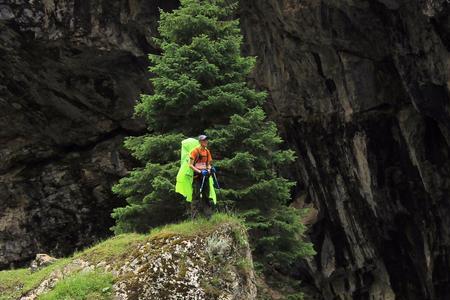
(81, 286)
(15, 283)
(196, 227)
(244, 265)
(111, 249)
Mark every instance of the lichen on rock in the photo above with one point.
(193, 260)
(180, 267)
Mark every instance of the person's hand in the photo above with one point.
(204, 172)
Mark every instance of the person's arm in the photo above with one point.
(191, 161)
(191, 165)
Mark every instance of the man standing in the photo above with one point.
(200, 162)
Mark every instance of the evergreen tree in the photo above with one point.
(200, 86)
(200, 80)
(249, 147)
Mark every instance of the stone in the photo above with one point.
(41, 260)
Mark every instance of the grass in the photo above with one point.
(15, 283)
(111, 249)
(82, 285)
(244, 265)
(196, 227)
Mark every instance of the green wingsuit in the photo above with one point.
(185, 174)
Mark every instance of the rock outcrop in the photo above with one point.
(213, 264)
(360, 89)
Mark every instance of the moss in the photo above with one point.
(244, 266)
(240, 236)
(200, 226)
(182, 268)
(212, 288)
(133, 286)
(161, 236)
(294, 296)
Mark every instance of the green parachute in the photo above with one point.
(185, 174)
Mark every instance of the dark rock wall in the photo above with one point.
(361, 91)
(70, 72)
(359, 88)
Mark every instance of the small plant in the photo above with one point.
(217, 246)
(212, 287)
(240, 236)
(244, 265)
(296, 296)
(182, 268)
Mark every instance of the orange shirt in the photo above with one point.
(201, 157)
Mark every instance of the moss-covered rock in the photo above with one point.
(173, 266)
(192, 260)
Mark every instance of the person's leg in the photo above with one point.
(195, 204)
(208, 209)
(206, 201)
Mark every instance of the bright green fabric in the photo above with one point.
(185, 174)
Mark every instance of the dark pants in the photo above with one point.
(201, 206)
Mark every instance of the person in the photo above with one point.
(200, 161)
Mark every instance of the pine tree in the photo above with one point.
(200, 78)
(200, 86)
(249, 146)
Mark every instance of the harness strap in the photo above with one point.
(197, 158)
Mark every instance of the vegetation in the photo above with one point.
(111, 249)
(197, 226)
(200, 87)
(81, 286)
(15, 283)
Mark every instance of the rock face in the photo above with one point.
(360, 89)
(69, 76)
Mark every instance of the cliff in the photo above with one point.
(360, 89)
(69, 76)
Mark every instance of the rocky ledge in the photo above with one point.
(207, 262)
